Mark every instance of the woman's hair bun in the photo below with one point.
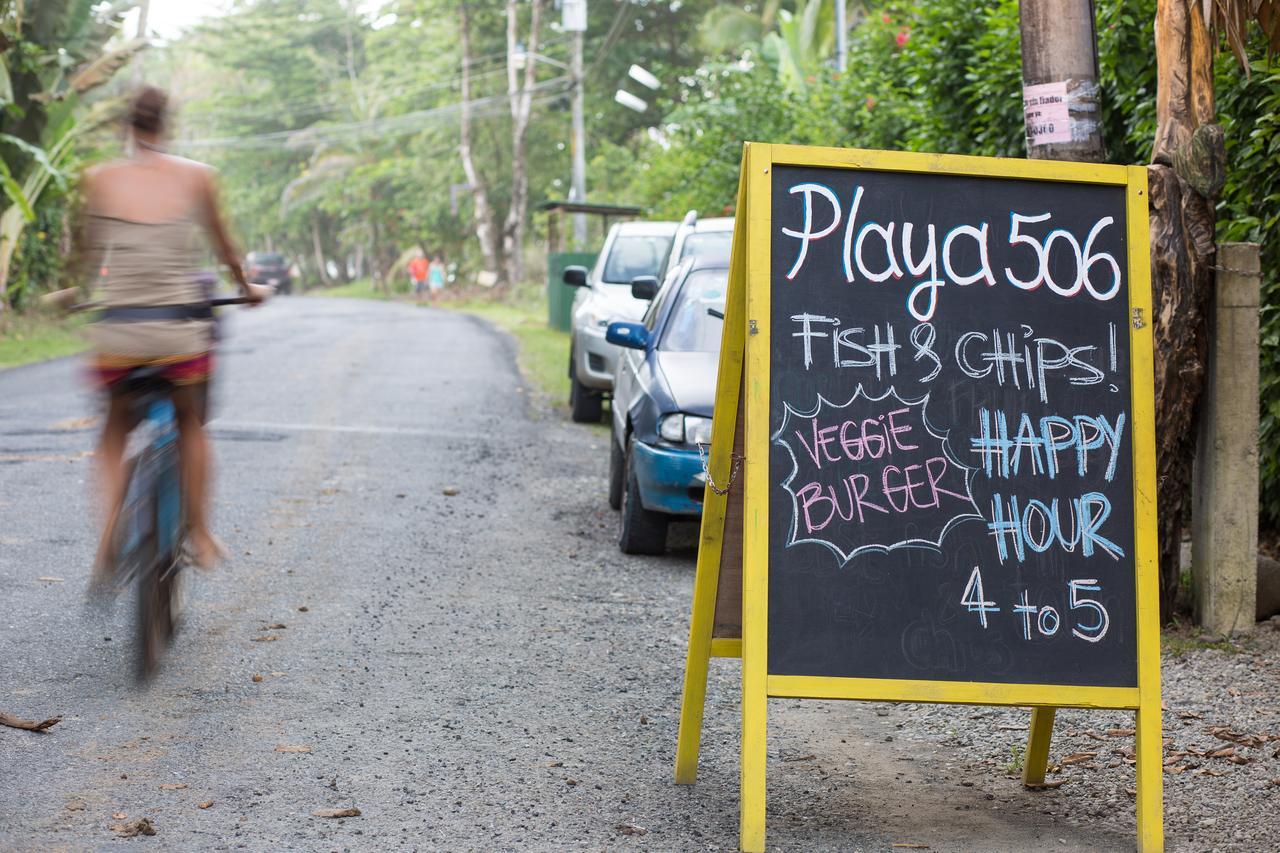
(149, 110)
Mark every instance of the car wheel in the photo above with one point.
(586, 406)
(616, 481)
(641, 531)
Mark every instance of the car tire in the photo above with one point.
(616, 473)
(641, 531)
(586, 405)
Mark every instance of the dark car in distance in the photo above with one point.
(269, 268)
(663, 397)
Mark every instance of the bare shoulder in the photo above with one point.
(99, 172)
(193, 170)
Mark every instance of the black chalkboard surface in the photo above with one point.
(951, 464)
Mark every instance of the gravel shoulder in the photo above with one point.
(484, 671)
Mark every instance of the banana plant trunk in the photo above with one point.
(1188, 168)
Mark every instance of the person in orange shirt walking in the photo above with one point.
(418, 274)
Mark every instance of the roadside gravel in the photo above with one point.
(1221, 750)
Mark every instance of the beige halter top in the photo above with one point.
(148, 263)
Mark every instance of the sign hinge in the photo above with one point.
(751, 324)
(1137, 318)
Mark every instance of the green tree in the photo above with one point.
(54, 54)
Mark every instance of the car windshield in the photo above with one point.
(634, 255)
(712, 245)
(691, 328)
(266, 258)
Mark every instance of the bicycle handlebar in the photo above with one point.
(220, 302)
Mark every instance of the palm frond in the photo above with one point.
(1230, 19)
(105, 67)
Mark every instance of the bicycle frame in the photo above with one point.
(150, 531)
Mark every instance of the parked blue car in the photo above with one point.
(663, 396)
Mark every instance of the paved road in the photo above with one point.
(477, 672)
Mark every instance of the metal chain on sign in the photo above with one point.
(706, 469)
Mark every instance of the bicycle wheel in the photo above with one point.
(158, 577)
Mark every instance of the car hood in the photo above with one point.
(691, 376)
(615, 302)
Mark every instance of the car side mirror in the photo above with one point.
(629, 335)
(644, 287)
(575, 276)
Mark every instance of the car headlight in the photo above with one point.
(697, 430)
(685, 429)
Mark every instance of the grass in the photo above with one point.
(27, 338)
(1178, 640)
(1016, 761)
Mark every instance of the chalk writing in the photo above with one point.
(1045, 619)
(877, 252)
(1020, 358)
(967, 498)
(863, 468)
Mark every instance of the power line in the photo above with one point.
(389, 126)
(321, 107)
(611, 38)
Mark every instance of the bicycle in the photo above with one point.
(147, 542)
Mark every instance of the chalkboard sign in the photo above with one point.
(951, 422)
(931, 475)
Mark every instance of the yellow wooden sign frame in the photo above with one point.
(744, 370)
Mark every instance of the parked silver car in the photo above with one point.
(633, 250)
(701, 238)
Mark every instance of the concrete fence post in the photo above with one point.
(1224, 521)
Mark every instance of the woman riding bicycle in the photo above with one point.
(144, 217)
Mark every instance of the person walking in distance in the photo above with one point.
(418, 267)
(144, 216)
(436, 275)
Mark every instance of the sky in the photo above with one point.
(168, 18)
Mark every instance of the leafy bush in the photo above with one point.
(38, 264)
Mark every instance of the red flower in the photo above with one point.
(871, 102)
(903, 35)
(885, 17)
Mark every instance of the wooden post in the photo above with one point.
(1224, 520)
(1036, 761)
(1060, 80)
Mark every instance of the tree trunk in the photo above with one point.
(1188, 166)
(520, 95)
(486, 226)
(322, 268)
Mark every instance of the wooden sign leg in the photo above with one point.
(1150, 752)
(752, 795)
(1036, 761)
(701, 624)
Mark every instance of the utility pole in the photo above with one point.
(1060, 80)
(575, 21)
(842, 37)
(1062, 112)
